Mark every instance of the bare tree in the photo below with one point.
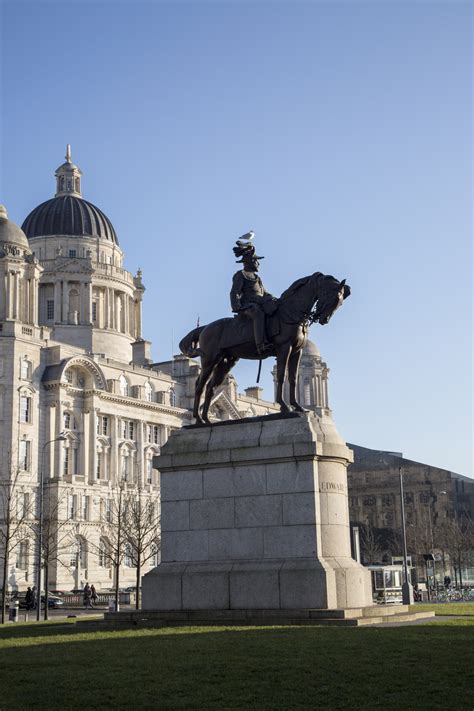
(458, 542)
(141, 531)
(15, 509)
(370, 543)
(56, 534)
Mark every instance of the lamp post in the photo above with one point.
(60, 438)
(407, 587)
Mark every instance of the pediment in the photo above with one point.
(223, 408)
(74, 266)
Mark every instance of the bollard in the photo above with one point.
(13, 611)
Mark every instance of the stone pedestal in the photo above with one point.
(255, 515)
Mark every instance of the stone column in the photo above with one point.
(34, 316)
(57, 302)
(58, 446)
(65, 301)
(16, 296)
(93, 445)
(140, 453)
(114, 458)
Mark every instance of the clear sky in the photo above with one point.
(340, 132)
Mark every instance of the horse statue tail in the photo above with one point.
(189, 344)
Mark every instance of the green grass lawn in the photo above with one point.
(58, 667)
(445, 608)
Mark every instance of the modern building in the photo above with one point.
(432, 497)
(81, 401)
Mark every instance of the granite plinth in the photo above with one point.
(255, 516)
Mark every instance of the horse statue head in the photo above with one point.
(331, 296)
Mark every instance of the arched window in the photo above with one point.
(128, 556)
(104, 553)
(148, 391)
(124, 386)
(78, 553)
(172, 394)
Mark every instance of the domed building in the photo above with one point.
(82, 405)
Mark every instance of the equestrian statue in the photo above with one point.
(263, 326)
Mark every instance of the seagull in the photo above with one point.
(246, 239)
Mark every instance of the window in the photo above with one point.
(50, 309)
(72, 253)
(66, 462)
(124, 386)
(67, 420)
(24, 457)
(128, 557)
(75, 460)
(22, 555)
(23, 505)
(25, 369)
(85, 508)
(104, 557)
(108, 510)
(78, 554)
(25, 408)
(148, 392)
(127, 429)
(102, 425)
(125, 468)
(155, 555)
(94, 311)
(153, 434)
(172, 395)
(387, 500)
(69, 376)
(149, 471)
(99, 465)
(72, 506)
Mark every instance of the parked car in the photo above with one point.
(54, 602)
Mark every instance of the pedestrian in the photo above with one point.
(87, 596)
(93, 595)
(447, 581)
(29, 598)
(34, 598)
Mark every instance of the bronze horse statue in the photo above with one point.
(222, 343)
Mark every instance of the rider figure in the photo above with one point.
(248, 296)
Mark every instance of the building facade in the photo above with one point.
(433, 499)
(82, 404)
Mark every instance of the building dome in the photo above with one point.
(10, 234)
(311, 349)
(68, 215)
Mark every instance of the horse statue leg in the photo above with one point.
(293, 363)
(282, 355)
(217, 378)
(206, 370)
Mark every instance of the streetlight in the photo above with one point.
(407, 587)
(60, 438)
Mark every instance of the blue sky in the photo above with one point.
(340, 132)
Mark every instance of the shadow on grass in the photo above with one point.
(278, 667)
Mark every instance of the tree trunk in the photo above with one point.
(4, 583)
(137, 594)
(46, 585)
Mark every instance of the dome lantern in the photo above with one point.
(68, 177)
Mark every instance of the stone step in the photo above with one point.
(340, 618)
